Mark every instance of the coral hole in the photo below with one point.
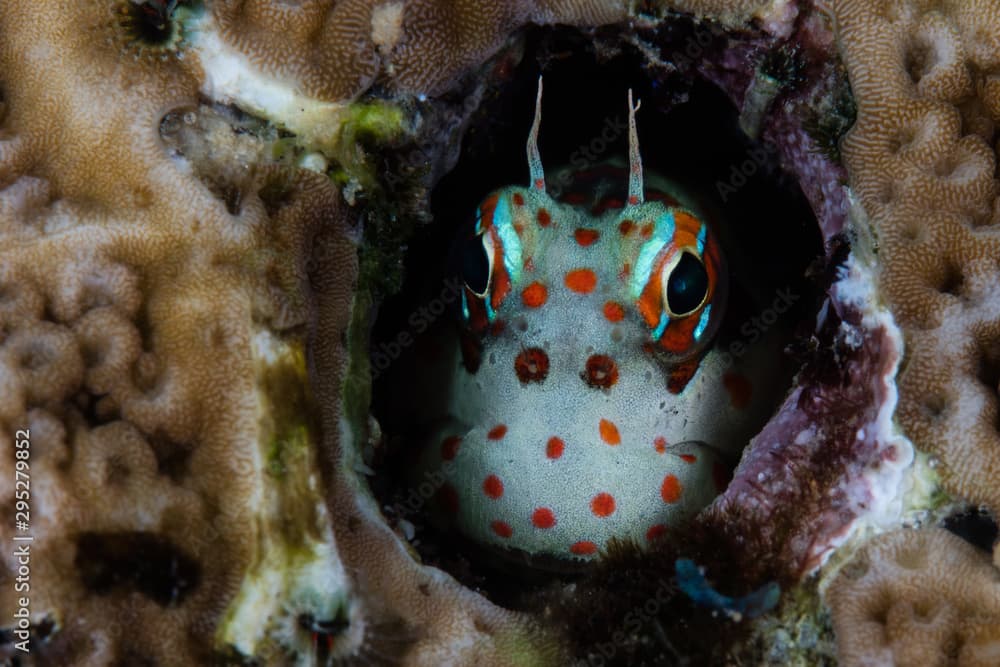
(136, 561)
(920, 59)
(689, 131)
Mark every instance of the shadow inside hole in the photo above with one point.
(974, 526)
(136, 561)
(698, 143)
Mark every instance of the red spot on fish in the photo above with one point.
(626, 227)
(449, 447)
(586, 237)
(543, 517)
(447, 498)
(739, 388)
(497, 432)
(502, 529)
(613, 311)
(544, 219)
(602, 505)
(534, 295)
(529, 264)
(531, 365)
(609, 432)
(539, 184)
(601, 371)
(581, 281)
(583, 548)
(633, 200)
(624, 273)
(671, 489)
(660, 444)
(688, 458)
(655, 532)
(647, 230)
(518, 199)
(554, 447)
(493, 487)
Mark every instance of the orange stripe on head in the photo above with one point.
(500, 285)
(678, 337)
(486, 210)
(650, 302)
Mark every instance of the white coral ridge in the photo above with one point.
(230, 78)
(901, 484)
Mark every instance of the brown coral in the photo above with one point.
(921, 161)
(917, 597)
(332, 50)
(152, 262)
(436, 613)
(124, 347)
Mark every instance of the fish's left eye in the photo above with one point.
(685, 285)
(477, 263)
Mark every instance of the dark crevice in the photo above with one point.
(136, 561)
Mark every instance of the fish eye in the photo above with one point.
(686, 286)
(477, 263)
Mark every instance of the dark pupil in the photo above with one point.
(687, 285)
(475, 265)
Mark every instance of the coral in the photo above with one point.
(435, 614)
(131, 293)
(184, 316)
(333, 49)
(155, 254)
(921, 163)
(917, 597)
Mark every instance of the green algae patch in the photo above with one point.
(377, 120)
(530, 647)
(357, 389)
(296, 573)
(290, 411)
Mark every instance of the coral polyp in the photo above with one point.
(150, 28)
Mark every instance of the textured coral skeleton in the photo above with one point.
(183, 318)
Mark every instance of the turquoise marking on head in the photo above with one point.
(702, 322)
(509, 239)
(663, 233)
(661, 326)
(701, 240)
(490, 313)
